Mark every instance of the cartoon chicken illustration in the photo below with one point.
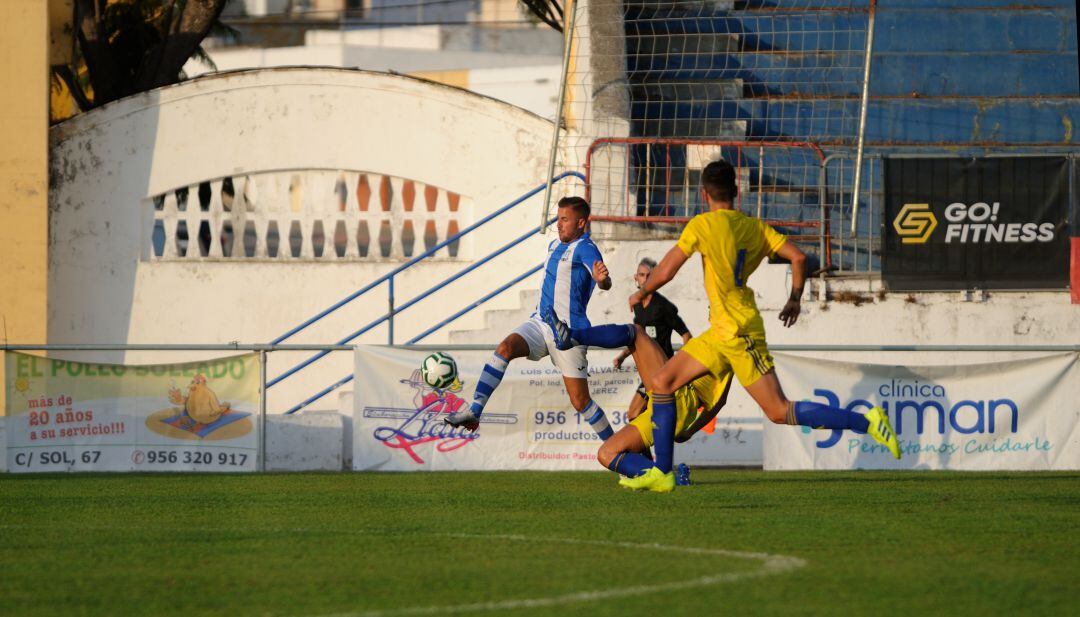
(200, 404)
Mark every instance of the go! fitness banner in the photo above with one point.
(76, 416)
(987, 223)
(1014, 415)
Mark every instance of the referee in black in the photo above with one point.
(660, 318)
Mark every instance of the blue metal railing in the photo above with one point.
(346, 379)
(416, 339)
(392, 310)
(389, 315)
(388, 277)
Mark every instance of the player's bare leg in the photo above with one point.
(637, 405)
(648, 357)
(768, 394)
(577, 388)
(680, 370)
(628, 439)
(676, 373)
(511, 348)
(621, 453)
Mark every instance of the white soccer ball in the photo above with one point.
(439, 370)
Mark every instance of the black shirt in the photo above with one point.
(659, 319)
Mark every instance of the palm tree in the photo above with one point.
(122, 47)
(548, 11)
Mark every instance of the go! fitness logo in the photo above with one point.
(968, 224)
(914, 223)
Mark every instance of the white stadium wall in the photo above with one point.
(114, 173)
(854, 310)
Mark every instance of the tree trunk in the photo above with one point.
(138, 45)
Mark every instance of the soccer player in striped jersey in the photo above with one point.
(572, 269)
(731, 246)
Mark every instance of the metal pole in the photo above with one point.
(870, 212)
(667, 180)
(841, 236)
(760, 179)
(862, 117)
(390, 313)
(558, 118)
(822, 198)
(262, 410)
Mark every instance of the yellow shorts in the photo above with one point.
(747, 356)
(704, 392)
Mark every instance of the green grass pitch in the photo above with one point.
(854, 543)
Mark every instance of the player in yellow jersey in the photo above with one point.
(707, 394)
(731, 245)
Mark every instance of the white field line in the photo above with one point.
(770, 564)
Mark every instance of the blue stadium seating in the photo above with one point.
(946, 76)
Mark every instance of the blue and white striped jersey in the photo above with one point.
(568, 282)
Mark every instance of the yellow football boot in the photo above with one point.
(653, 479)
(882, 431)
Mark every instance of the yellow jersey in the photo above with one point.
(732, 245)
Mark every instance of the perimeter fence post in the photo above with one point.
(390, 313)
(568, 46)
(262, 410)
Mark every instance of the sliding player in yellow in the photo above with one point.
(621, 452)
(731, 246)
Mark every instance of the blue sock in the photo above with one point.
(596, 418)
(818, 415)
(490, 378)
(630, 464)
(663, 419)
(610, 336)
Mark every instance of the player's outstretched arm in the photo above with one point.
(660, 275)
(601, 275)
(790, 313)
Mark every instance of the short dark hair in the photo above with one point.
(718, 180)
(580, 206)
(647, 261)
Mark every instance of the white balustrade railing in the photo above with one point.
(306, 215)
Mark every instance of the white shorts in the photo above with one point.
(537, 334)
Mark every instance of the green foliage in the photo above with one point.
(311, 544)
(548, 11)
(128, 46)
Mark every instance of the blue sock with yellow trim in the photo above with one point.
(663, 419)
(608, 336)
(818, 415)
(630, 464)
